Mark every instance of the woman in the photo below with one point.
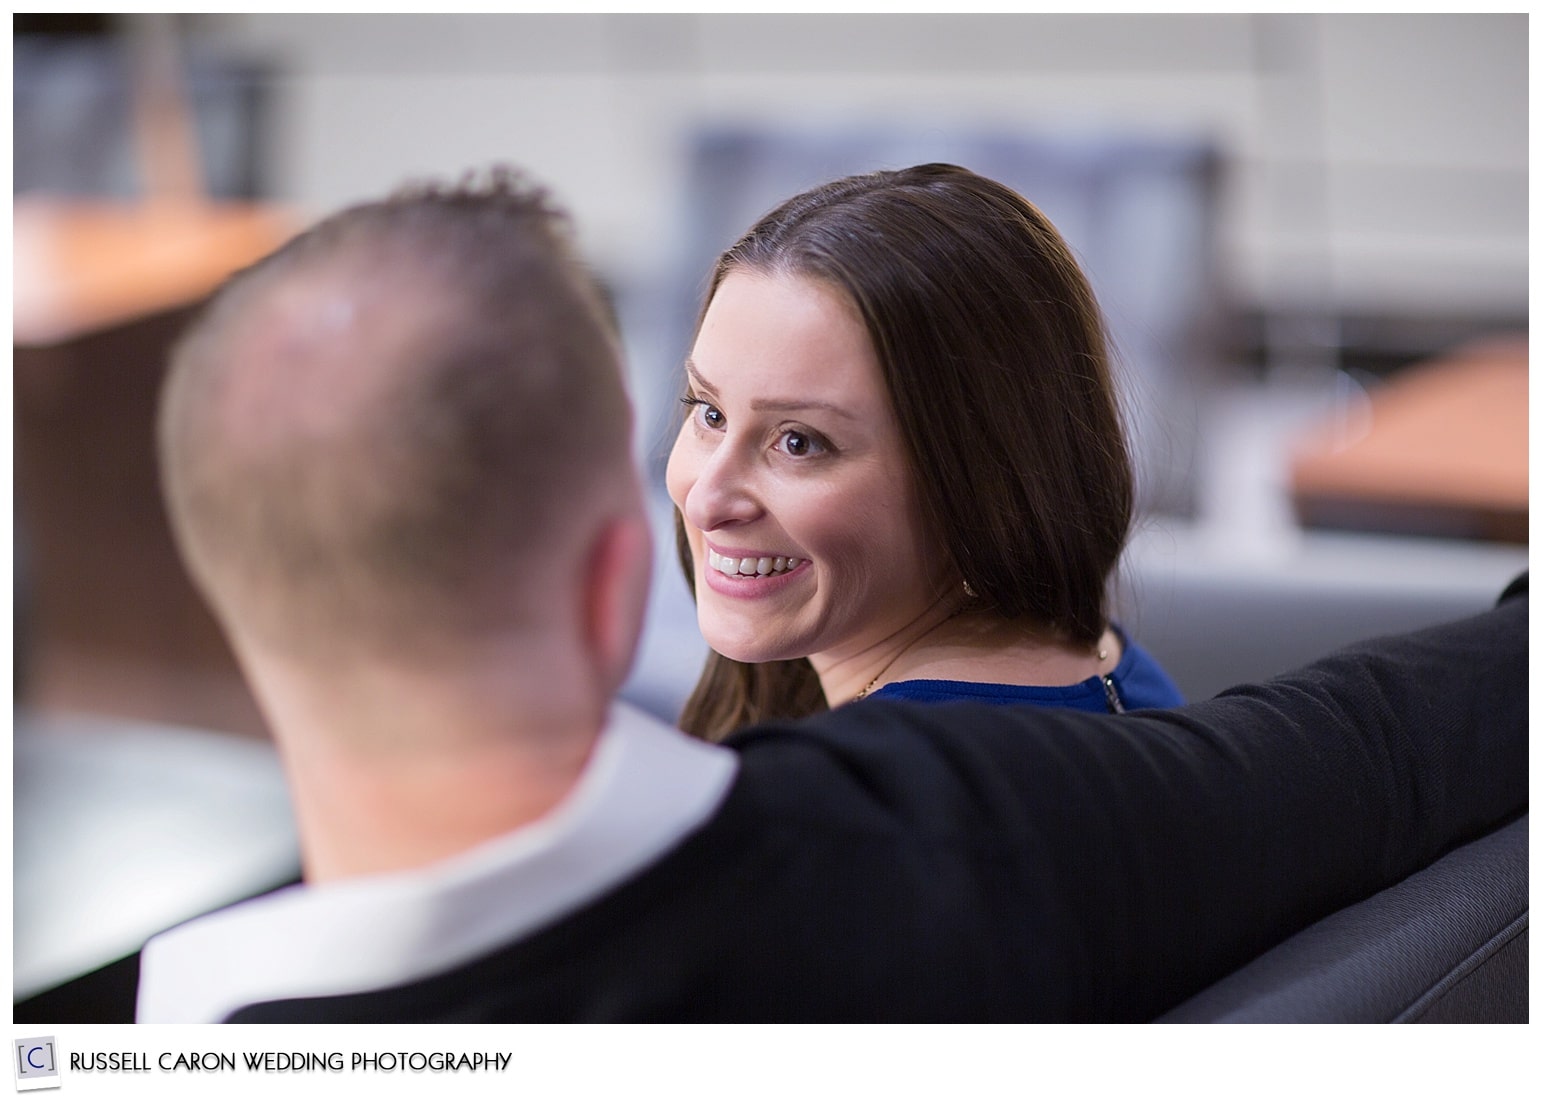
(903, 473)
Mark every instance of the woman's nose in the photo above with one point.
(717, 488)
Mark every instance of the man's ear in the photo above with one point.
(616, 595)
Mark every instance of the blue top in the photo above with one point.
(1139, 681)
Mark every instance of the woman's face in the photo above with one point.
(792, 478)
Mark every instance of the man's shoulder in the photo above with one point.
(788, 904)
(767, 910)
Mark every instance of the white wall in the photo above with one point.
(1378, 162)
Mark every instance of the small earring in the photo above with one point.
(970, 592)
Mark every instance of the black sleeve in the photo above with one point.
(1151, 853)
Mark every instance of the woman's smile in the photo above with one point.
(750, 565)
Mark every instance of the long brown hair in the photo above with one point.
(994, 354)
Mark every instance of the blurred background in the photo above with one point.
(1309, 233)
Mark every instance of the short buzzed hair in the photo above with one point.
(371, 426)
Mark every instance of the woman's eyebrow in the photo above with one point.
(697, 380)
(802, 406)
(764, 404)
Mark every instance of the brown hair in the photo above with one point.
(994, 354)
(409, 460)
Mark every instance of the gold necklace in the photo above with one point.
(881, 671)
(1102, 658)
(884, 670)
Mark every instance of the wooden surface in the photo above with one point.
(108, 621)
(1439, 449)
(80, 267)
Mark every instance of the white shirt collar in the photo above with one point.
(646, 787)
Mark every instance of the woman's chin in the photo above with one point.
(742, 653)
(742, 649)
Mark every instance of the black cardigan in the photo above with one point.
(954, 862)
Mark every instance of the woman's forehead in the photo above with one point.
(796, 334)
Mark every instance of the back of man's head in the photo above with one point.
(376, 436)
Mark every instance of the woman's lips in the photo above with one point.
(755, 583)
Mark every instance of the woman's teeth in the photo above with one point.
(750, 566)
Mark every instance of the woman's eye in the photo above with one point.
(706, 415)
(798, 444)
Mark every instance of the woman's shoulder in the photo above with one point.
(1142, 682)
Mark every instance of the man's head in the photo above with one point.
(402, 431)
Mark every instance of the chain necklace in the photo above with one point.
(1108, 683)
(884, 670)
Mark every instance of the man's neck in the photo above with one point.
(412, 810)
(392, 770)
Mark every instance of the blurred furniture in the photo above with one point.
(102, 285)
(101, 290)
(1247, 591)
(123, 829)
(1439, 449)
(1448, 944)
(83, 267)
(1219, 605)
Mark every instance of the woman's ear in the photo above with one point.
(620, 571)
